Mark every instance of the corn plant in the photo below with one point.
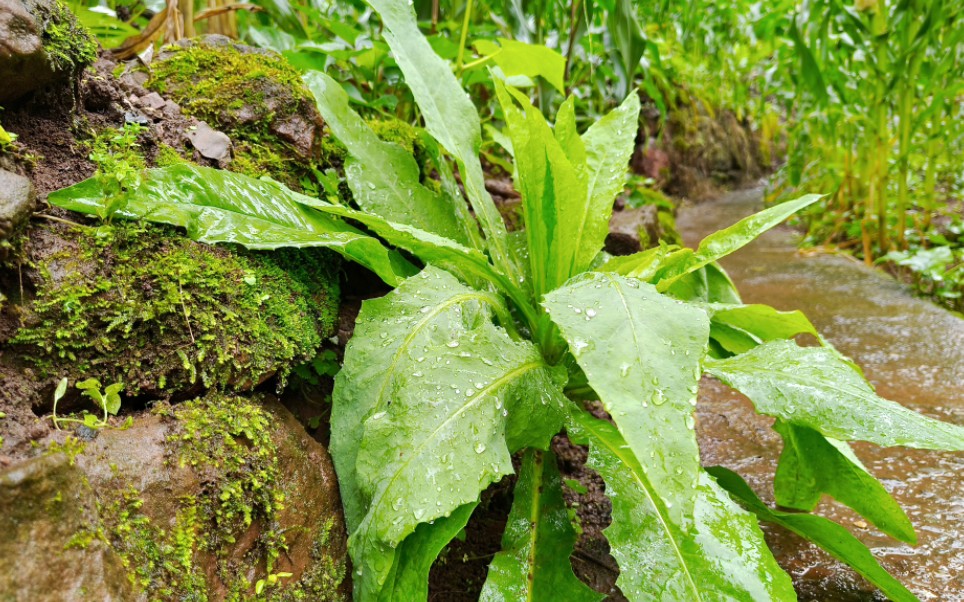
(878, 85)
(491, 342)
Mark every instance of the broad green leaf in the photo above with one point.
(450, 117)
(534, 564)
(433, 304)
(762, 321)
(718, 554)
(641, 353)
(708, 284)
(739, 328)
(827, 534)
(420, 412)
(811, 465)
(816, 388)
(519, 58)
(219, 206)
(383, 177)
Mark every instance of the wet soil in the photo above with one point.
(913, 353)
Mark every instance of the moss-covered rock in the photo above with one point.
(253, 95)
(46, 512)
(41, 43)
(147, 307)
(194, 502)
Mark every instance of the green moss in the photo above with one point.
(159, 561)
(243, 94)
(67, 43)
(71, 447)
(230, 436)
(393, 130)
(143, 305)
(168, 155)
(226, 441)
(322, 581)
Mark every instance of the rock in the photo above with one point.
(652, 162)
(163, 314)
(632, 230)
(152, 100)
(23, 63)
(46, 514)
(41, 43)
(243, 477)
(252, 95)
(192, 502)
(17, 201)
(211, 143)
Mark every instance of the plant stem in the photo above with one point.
(464, 36)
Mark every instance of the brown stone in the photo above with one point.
(46, 514)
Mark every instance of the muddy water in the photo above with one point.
(912, 351)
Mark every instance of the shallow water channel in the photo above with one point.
(913, 353)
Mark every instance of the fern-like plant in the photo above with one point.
(489, 347)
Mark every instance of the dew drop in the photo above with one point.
(590, 313)
(452, 344)
(480, 448)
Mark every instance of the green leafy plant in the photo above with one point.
(490, 348)
(106, 399)
(119, 165)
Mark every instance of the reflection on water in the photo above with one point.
(913, 353)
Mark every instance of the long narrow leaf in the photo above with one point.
(816, 388)
(450, 117)
(218, 206)
(383, 177)
(723, 242)
(827, 534)
(534, 562)
(811, 465)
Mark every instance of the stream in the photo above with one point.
(913, 353)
